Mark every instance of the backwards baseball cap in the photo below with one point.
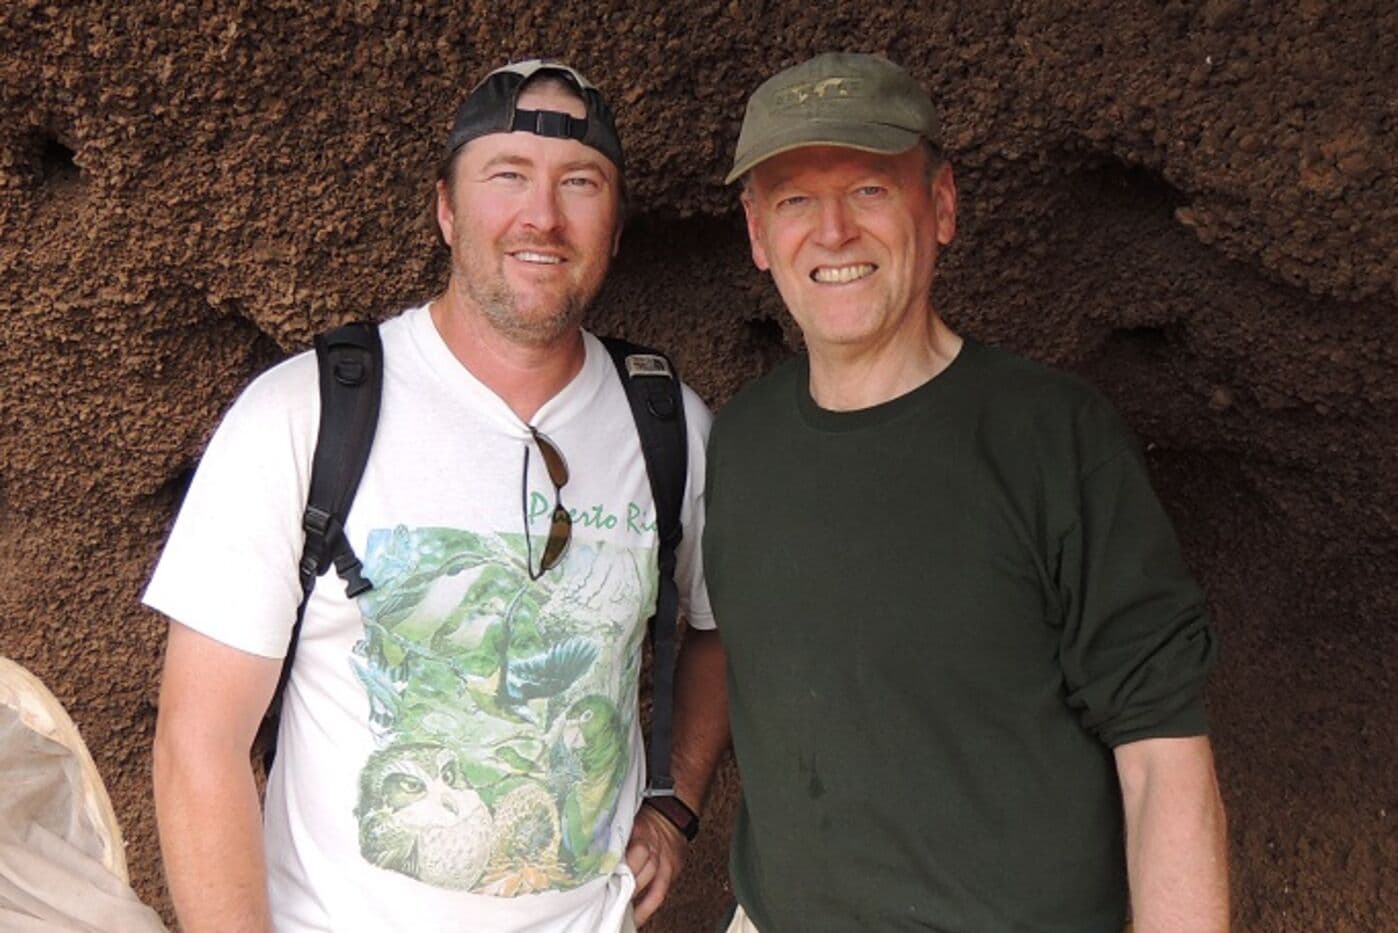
(491, 108)
(847, 99)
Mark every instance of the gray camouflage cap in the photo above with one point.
(847, 99)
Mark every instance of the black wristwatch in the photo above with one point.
(675, 810)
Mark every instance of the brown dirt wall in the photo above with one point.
(1192, 204)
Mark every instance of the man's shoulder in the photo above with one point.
(697, 414)
(287, 388)
(765, 399)
(1011, 375)
(291, 388)
(1010, 383)
(1023, 399)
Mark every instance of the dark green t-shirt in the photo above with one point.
(941, 614)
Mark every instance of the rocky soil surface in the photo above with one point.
(1192, 204)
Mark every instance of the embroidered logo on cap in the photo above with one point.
(824, 89)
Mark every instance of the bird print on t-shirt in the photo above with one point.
(593, 738)
(419, 816)
(539, 676)
(509, 700)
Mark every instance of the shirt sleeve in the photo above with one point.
(689, 560)
(228, 569)
(1136, 645)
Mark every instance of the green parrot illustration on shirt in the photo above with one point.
(592, 733)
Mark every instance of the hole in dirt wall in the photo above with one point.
(43, 160)
(768, 340)
(56, 161)
(1111, 183)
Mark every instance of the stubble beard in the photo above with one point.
(503, 310)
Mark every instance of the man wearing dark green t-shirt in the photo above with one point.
(965, 657)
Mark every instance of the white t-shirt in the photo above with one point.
(459, 747)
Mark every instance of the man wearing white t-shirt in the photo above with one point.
(460, 746)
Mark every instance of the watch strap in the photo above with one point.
(677, 812)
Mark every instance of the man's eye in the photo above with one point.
(871, 191)
(792, 200)
(508, 176)
(581, 181)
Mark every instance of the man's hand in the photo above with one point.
(655, 856)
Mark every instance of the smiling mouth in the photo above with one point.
(539, 259)
(842, 275)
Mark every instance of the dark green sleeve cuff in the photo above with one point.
(1189, 719)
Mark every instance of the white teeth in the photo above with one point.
(838, 275)
(526, 256)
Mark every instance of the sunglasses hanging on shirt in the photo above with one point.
(560, 523)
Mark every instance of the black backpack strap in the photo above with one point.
(350, 359)
(657, 405)
(350, 362)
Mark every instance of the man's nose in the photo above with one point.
(835, 227)
(542, 209)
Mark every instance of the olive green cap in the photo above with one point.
(848, 99)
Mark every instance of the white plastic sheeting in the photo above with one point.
(62, 865)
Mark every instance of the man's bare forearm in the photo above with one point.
(206, 805)
(701, 714)
(210, 827)
(656, 851)
(1176, 844)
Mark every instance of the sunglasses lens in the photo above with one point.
(560, 524)
(560, 533)
(553, 461)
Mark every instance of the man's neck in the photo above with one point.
(852, 378)
(525, 376)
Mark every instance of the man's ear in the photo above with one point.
(759, 253)
(944, 200)
(446, 220)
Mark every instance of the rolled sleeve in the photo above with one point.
(1137, 645)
